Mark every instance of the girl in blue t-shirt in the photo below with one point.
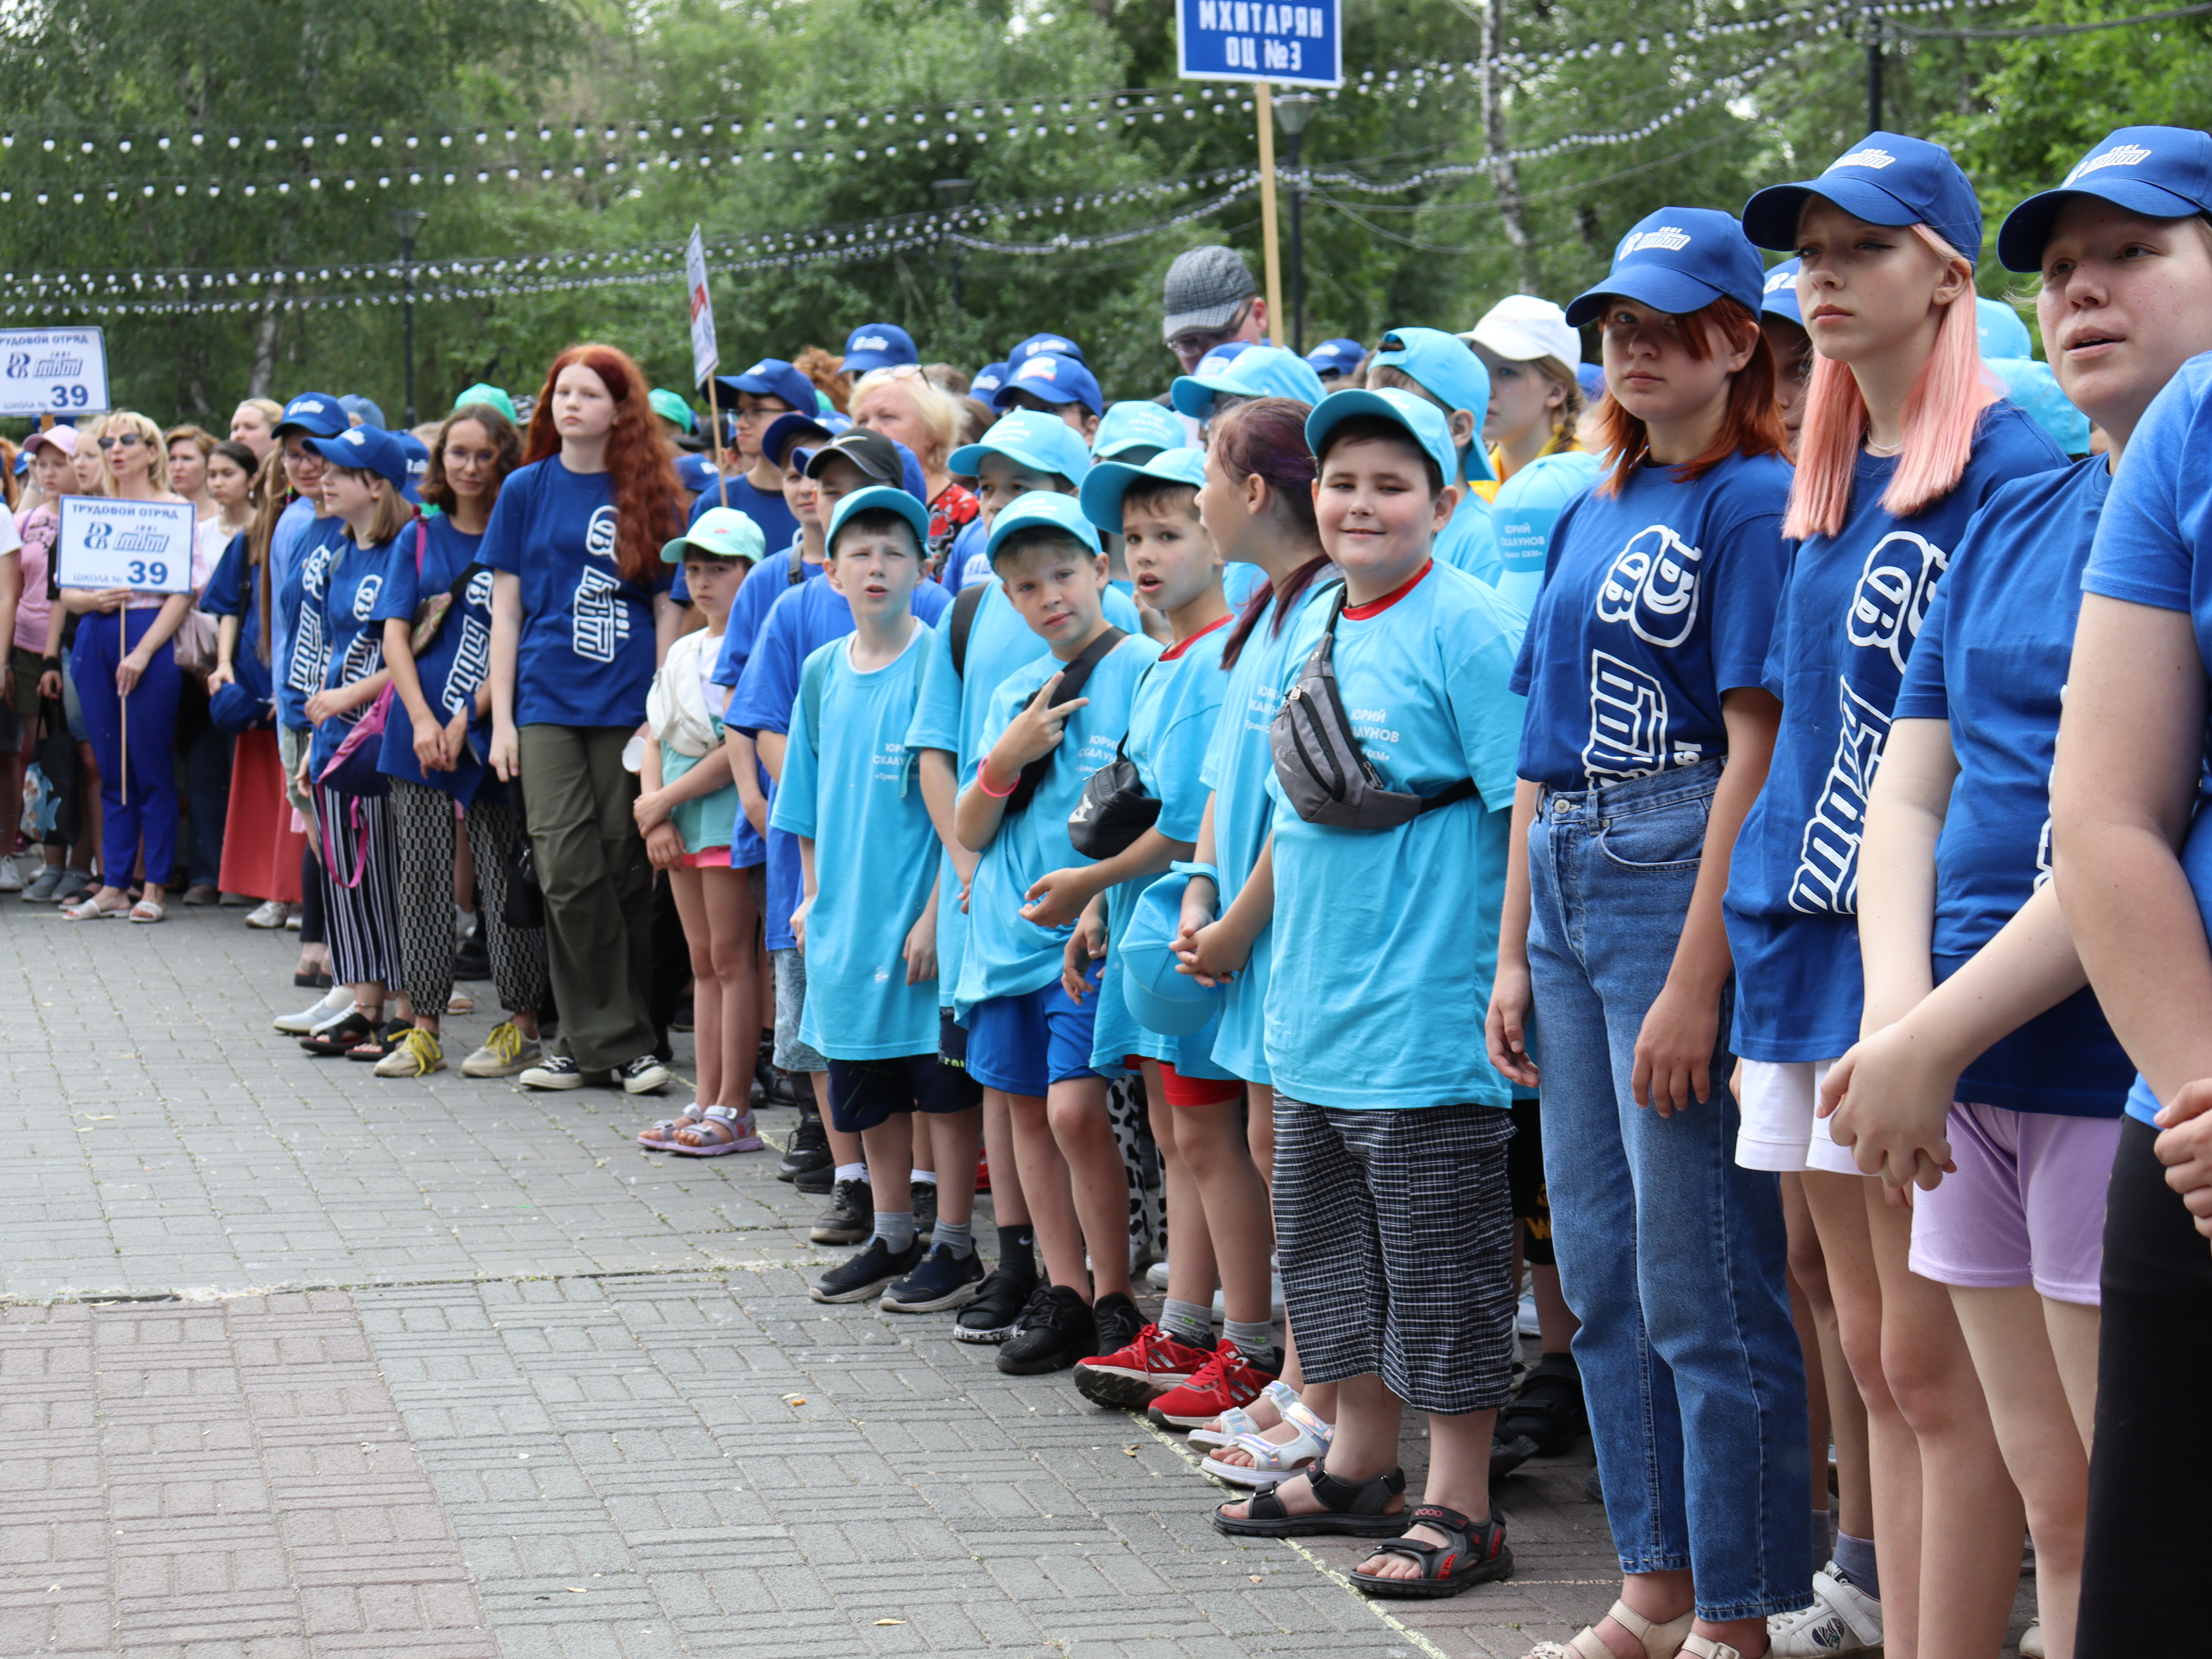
(580, 618)
(1903, 440)
(1647, 738)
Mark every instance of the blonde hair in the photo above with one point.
(130, 419)
(272, 410)
(394, 511)
(1566, 419)
(938, 410)
(200, 438)
(1941, 413)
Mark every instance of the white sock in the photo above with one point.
(851, 1172)
(922, 1175)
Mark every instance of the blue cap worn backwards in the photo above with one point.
(1054, 380)
(771, 377)
(1133, 425)
(881, 498)
(365, 449)
(1337, 357)
(1260, 371)
(2161, 173)
(879, 345)
(1424, 421)
(1448, 369)
(1039, 345)
(1780, 299)
(1886, 178)
(1678, 260)
(988, 379)
(1110, 480)
(1039, 441)
(1041, 507)
(318, 413)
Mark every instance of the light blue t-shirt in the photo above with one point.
(1171, 726)
(1386, 940)
(1525, 508)
(850, 784)
(1469, 542)
(1991, 661)
(1850, 611)
(2154, 547)
(1006, 955)
(297, 632)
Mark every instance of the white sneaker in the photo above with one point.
(269, 914)
(1275, 1291)
(2031, 1640)
(11, 878)
(1843, 1619)
(1156, 1274)
(334, 1004)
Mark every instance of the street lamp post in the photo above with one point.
(955, 193)
(409, 223)
(1294, 110)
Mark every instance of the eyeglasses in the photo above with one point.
(1190, 347)
(127, 440)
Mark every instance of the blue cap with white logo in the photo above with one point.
(1217, 360)
(2161, 173)
(1424, 421)
(771, 377)
(988, 379)
(1039, 441)
(316, 413)
(1260, 371)
(1135, 425)
(793, 426)
(1337, 357)
(1041, 507)
(1678, 260)
(365, 449)
(879, 345)
(882, 499)
(1110, 480)
(1054, 379)
(1780, 299)
(1886, 178)
(1449, 370)
(1039, 345)
(696, 473)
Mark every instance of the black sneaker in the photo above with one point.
(850, 1218)
(941, 1280)
(925, 1206)
(1548, 1407)
(1508, 1451)
(473, 960)
(866, 1274)
(809, 1148)
(1118, 1323)
(1056, 1330)
(819, 1179)
(996, 1312)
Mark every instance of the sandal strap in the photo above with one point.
(1657, 1638)
(1703, 1647)
(1368, 1497)
(1310, 1422)
(1436, 1515)
(1282, 1395)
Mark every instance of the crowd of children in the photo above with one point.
(1093, 798)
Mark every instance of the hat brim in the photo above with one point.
(1770, 217)
(1044, 392)
(344, 455)
(285, 429)
(968, 459)
(865, 362)
(1210, 320)
(2027, 227)
(1783, 303)
(821, 456)
(1675, 292)
(1338, 407)
(1194, 395)
(1102, 492)
(890, 500)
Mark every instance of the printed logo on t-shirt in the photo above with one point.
(600, 535)
(310, 650)
(479, 590)
(472, 662)
(2120, 155)
(600, 619)
(1893, 592)
(1653, 587)
(1869, 157)
(1827, 879)
(364, 597)
(1628, 724)
(362, 658)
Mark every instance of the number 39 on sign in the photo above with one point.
(52, 371)
(104, 543)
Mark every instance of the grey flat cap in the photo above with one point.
(1204, 289)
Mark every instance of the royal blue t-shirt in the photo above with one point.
(777, 524)
(586, 654)
(1991, 661)
(1525, 508)
(455, 662)
(965, 563)
(850, 784)
(306, 651)
(800, 623)
(231, 591)
(2154, 547)
(1850, 611)
(285, 543)
(1656, 604)
(1386, 940)
(356, 578)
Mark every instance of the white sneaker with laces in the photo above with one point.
(11, 878)
(269, 914)
(334, 1005)
(1843, 1619)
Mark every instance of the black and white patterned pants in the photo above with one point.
(360, 887)
(423, 824)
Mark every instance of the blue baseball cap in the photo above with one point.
(1679, 260)
(1590, 377)
(881, 498)
(1040, 506)
(1055, 379)
(1999, 329)
(2161, 173)
(1039, 345)
(720, 532)
(418, 464)
(696, 473)
(1446, 366)
(771, 377)
(1337, 357)
(1780, 297)
(1885, 179)
(1102, 492)
(364, 409)
(879, 345)
(795, 425)
(1132, 424)
(988, 379)
(318, 413)
(1260, 371)
(1159, 995)
(1041, 442)
(365, 448)
(1424, 421)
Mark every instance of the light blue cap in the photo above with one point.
(1110, 480)
(364, 409)
(1217, 360)
(721, 532)
(882, 498)
(2036, 390)
(2002, 333)
(1260, 371)
(1041, 442)
(1448, 368)
(1045, 508)
(1126, 425)
(1422, 421)
(1159, 995)
(1780, 297)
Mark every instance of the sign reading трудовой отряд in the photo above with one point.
(53, 371)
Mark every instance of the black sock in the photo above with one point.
(1018, 1248)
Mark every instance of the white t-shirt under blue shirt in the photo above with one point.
(1850, 611)
(2154, 548)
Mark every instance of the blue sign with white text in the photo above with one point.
(1251, 40)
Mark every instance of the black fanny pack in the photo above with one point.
(1319, 760)
(1115, 809)
(1073, 679)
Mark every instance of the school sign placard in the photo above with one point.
(1257, 40)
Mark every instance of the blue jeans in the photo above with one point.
(1671, 1255)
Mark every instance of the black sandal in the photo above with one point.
(329, 1044)
(1549, 1408)
(1348, 1506)
(381, 1041)
(1476, 1555)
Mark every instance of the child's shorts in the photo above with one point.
(864, 1093)
(1022, 1045)
(2026, 1206)
(707, 858)
(1778, 1130)
(1192, 1092)
(792, 1054)
(1524, 1181)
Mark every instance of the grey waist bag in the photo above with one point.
(1318, 759)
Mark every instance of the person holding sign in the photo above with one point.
(126, 678)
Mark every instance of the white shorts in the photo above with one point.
(1779, 1131)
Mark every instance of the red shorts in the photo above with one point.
(707, 858)
(1193, 1091)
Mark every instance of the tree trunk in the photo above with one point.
(264, 374)
(1505, 173)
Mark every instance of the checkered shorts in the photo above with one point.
(1395, 1231)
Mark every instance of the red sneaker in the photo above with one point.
(1134, 1378)
(1227, 1379)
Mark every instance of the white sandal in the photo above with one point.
(1660, 1641)
(1703, 1647)
(1273, 1461)
(1237, 1422)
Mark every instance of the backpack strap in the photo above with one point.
(798, 568)
(1073, 679)
(965, 604)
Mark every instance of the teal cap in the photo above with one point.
(1041, 442)
(1257, 371)
(484, 392)
(1041, 507)
(1449, 370)
(1102, 493)
(881, 498)
(720, 532)
(671, 408)
(1424, 421)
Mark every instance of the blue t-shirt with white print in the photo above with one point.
(1383, 936)
(303, 652)
(1991, 661)
(452, 666)
(1006, 954)
(1525, 508)
(2154, 547)
(356, 576)
(850, 785)
(1850, 611)
(1656, 603)
(286, 543)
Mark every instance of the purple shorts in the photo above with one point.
(2026, 1206)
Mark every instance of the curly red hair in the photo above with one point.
(639, 459)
